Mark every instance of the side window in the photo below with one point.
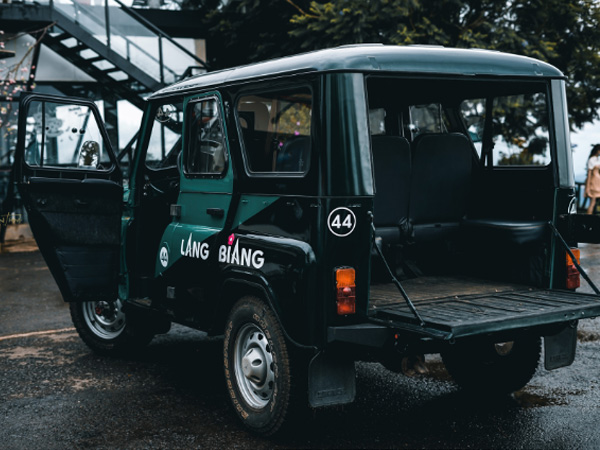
(429, 118)
(64, 136)
(276, 130)
(377, 121)
(165, 139)
(519, 128)
(473, 115)
(206, 150)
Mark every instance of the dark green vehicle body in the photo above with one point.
(186, 245)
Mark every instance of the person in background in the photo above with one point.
(592, 182)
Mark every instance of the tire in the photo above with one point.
(105, 328)
(491, 368)
(257, 367)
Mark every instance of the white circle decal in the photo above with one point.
(164, 257)
(341, 222)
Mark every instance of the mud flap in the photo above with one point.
(559, 349)
(331, 381)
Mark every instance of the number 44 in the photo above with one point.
(337, 221)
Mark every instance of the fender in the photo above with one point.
(239, 284)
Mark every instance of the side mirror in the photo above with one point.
(89, 155)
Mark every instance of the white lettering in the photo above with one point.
(235, 255)
(204, 251)
(257, 259)
(196, 250)
(240, 256)
(222, 253)
(188, 249)
(246, 256)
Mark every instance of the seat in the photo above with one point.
(293, 156)
(440, 185)
(505, 232)
(392, 167)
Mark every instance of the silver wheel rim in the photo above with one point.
(253, 363)
(104, 319)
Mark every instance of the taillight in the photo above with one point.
(573, 280)
(345, 291)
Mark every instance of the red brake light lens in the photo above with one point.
(573, 277)
(345, 291)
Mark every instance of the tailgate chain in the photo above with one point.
(408, 301)
(568, 249)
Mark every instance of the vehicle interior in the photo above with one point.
(464, 183)
(160, 185)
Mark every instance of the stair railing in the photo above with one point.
(99, 20)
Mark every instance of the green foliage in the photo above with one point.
(245, 31)
(565, 33)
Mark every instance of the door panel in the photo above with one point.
(71, 186)
(206, 189)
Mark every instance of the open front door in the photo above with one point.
(71, 186)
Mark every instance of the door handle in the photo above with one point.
(81, 203)
(215, 212)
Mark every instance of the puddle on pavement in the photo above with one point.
(587, 336)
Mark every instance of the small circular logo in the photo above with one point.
(164, 257)
(341, 222)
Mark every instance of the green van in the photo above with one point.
(365, 202)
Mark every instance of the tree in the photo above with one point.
(565, 33)
(245, 31)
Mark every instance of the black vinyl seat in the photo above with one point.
(502, 232)
(392, 167)
(440, 185)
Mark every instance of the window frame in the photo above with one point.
(186, 137)
(257, 91)
(107, 145)
(148, 135)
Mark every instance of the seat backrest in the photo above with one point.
(392, 167)
(293, 156)
(441, 178)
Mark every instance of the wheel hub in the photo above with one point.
(254, 368)
(104, 319)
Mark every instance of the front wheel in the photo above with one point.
(493, 368)
(106, 329)
(257, 366)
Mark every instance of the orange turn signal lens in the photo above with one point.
(577, 255)
(345, 291)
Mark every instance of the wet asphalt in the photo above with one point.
(56, 394)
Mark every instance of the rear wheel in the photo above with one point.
(257, 366)
(106, 329)
(497, 368)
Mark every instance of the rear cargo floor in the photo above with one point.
(466, 306)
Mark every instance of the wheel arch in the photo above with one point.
(241, 284)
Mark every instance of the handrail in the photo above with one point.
(158, 31)
(159, 34)
(130, 43)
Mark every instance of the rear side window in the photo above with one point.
(518, 128)
(276, 130)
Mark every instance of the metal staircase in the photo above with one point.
(126, 54)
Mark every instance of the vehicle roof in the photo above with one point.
(380, 59)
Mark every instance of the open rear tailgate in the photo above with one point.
(468, 315)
